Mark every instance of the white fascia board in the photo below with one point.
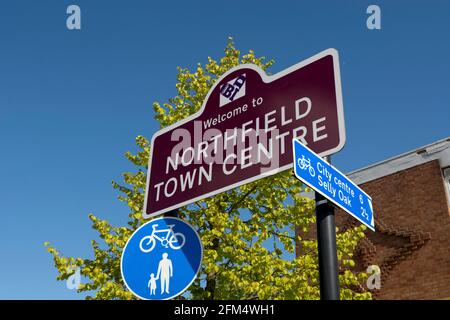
(439, 150)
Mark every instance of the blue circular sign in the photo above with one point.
(161, 259)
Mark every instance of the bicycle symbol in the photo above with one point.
(174, 240)
(304, 164)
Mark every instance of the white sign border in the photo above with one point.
(267, 79)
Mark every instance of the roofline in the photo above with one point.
(438, 150)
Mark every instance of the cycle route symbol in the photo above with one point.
(166, 237)
(305, 164)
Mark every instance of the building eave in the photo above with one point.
(439, 150)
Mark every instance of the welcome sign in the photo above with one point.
(244, 131)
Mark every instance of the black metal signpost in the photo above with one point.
(173, 214)
(326, 238)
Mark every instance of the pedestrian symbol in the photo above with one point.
(161, 259)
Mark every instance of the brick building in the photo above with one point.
(411, 245)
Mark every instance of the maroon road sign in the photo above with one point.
(244, 131)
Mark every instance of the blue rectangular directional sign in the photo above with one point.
(332, 184)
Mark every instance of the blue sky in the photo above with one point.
(72, 102)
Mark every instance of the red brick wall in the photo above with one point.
(412, 241)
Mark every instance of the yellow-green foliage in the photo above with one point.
(245, 231)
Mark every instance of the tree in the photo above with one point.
(247, 232)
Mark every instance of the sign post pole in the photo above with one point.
(172, 213)
(326, 237)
